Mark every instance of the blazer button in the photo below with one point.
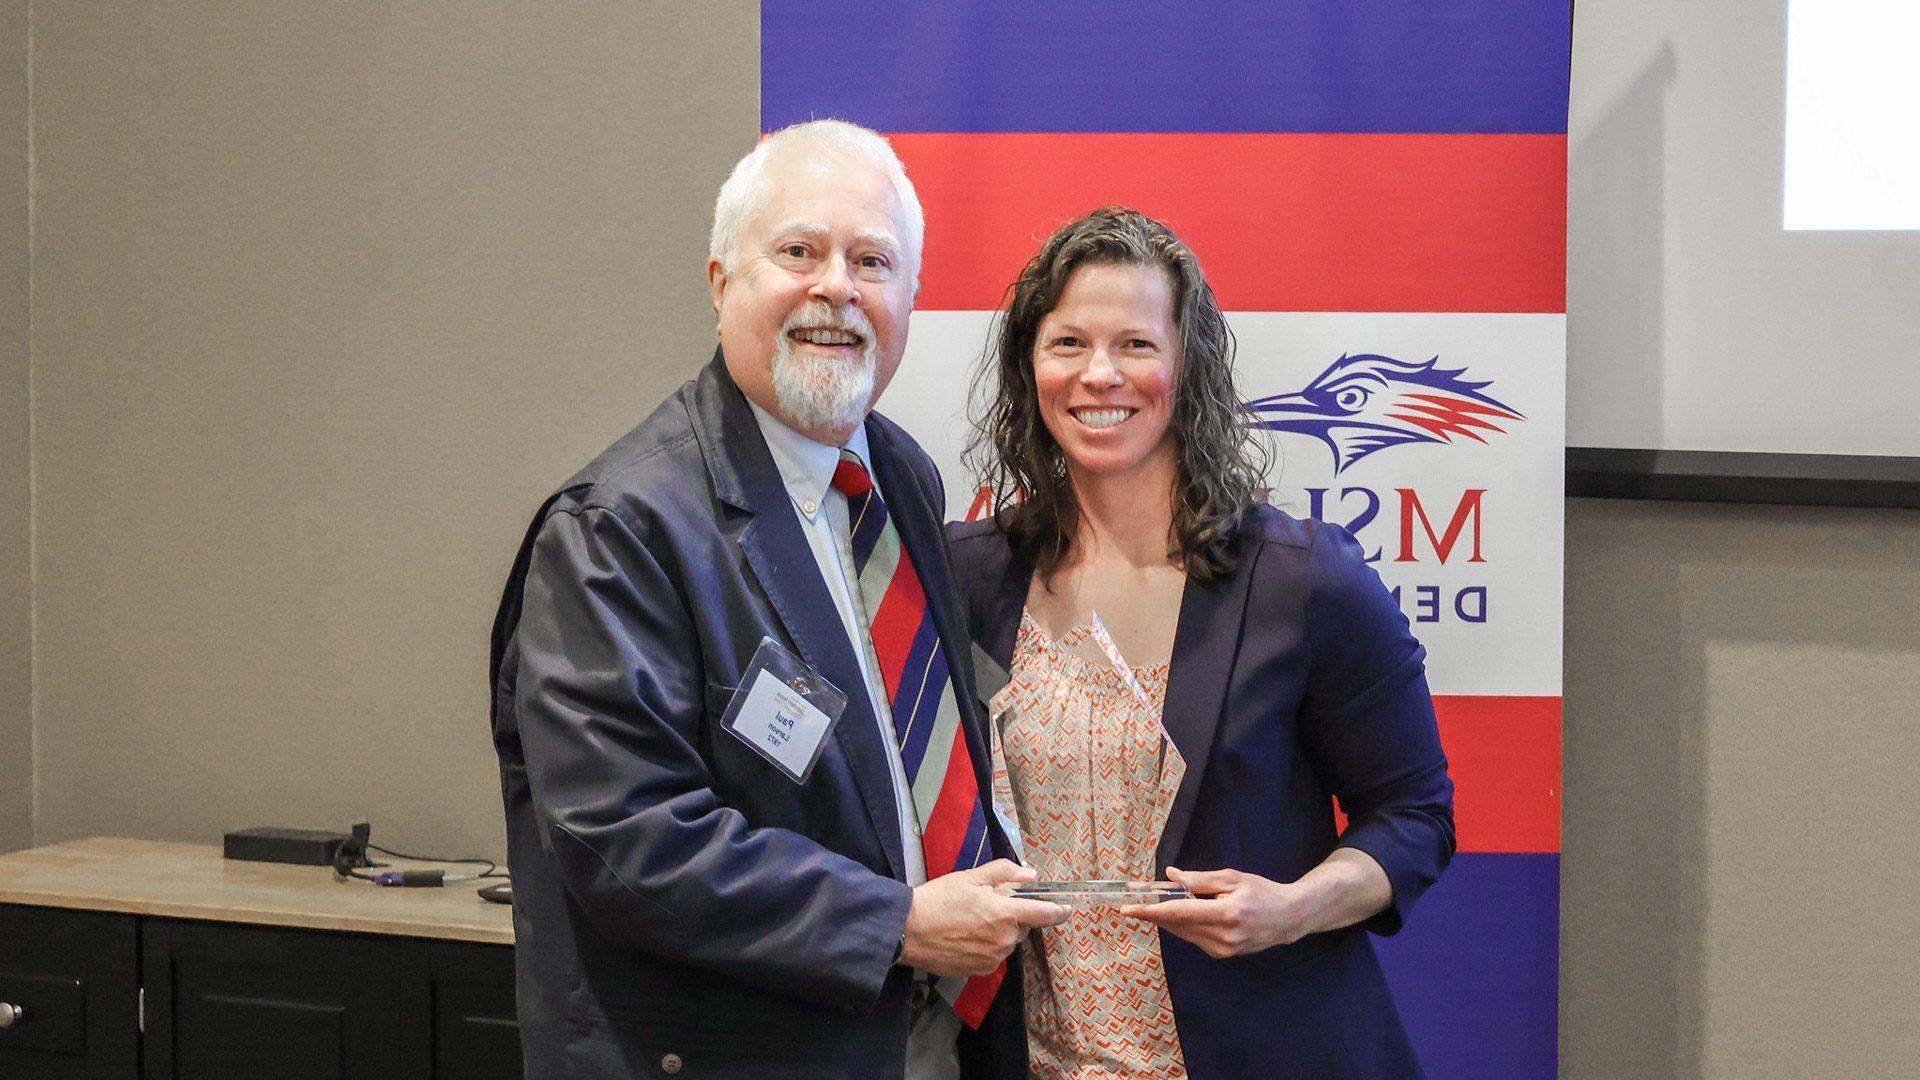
(671, 1064)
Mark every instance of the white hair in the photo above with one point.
(746, 192)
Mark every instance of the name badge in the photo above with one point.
(784, 710)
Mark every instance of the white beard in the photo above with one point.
(819, 394)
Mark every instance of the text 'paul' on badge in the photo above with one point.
(784, 710)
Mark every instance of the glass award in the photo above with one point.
(1079, 894)
(1107, 788)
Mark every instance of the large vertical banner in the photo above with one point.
(1376, 190)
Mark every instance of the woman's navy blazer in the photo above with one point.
(1294, 681)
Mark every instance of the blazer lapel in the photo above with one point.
(1206, 642)
(745, 476)
(997, 587)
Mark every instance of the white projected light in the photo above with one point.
(1853, 114)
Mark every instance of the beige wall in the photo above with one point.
(324, 303)
(16, 474)
(1742, 841)
(328, 296)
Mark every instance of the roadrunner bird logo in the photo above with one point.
(1365, 403)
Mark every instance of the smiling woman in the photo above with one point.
(1103, 368)
(1270, 673)
(1161, 326)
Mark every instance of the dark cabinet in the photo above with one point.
(69, 994)
(229, 1001)
(466, 991)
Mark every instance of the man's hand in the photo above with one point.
(959, 924)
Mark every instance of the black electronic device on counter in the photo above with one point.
(300, 847)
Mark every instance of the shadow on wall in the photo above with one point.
(1630, 828)
(1616, 232)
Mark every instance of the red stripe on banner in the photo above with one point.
(1504, 756)
(1302, 222)
(946, 827)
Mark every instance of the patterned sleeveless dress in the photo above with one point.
(1090, 778)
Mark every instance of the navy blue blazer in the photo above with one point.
(675, 894)
(1293, 681)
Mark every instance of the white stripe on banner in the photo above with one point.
(1439, 441)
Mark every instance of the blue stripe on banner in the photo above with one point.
(1476, 971)
(916, 702)
(1374, 66)
(867, 525)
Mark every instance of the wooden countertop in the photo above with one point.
(193, 881)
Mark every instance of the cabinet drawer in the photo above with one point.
(47, 1013)
(72, 973)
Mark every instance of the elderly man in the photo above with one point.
(743, 768)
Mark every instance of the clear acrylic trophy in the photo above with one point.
(1118, 795)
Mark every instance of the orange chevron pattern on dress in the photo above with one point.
(1085, 752)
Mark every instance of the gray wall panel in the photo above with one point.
(330, 295)
(1740, 834)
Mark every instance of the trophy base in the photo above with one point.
(1091, 894)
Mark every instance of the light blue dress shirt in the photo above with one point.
(806, 468)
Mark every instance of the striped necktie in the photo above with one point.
(926, 715)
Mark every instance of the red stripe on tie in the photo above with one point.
(977, 996)
(897, 623)
(946, 828)
(1286, 222)
(850, 479)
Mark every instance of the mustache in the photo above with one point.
(822, 317)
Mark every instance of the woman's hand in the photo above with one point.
(1245, 913)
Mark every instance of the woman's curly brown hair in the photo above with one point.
(1221, 461)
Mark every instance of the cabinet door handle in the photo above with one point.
(11, 1014)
